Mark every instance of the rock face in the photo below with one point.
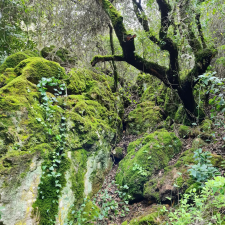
(92, 122)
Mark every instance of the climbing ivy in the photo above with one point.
(55, 163)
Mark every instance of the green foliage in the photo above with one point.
(139, 169)
(204, 170)
(13, 37)
(56, 164)
(102, 207)
(214, 86)
(201, 209)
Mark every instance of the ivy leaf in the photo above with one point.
(51, 168)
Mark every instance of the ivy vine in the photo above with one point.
(55, 163)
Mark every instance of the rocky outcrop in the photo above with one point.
(26, 146)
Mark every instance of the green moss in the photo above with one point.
(7, 76)
(87, 120)
(180, 115)
(90, 211)
(77, 178)
(35, 68)
(95, 85)
(125, 223)
(144, 81)
(46, 204)
(206, 125)
(152, 217)
(184, 131)
(135, 145)
(144, 118)
(47, 50)
(216, 160)
(116, 18)
(33, 53)
(162, 186)
(13, 60)
(156, 151)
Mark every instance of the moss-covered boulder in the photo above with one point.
(145, 156)
(155, 92)
(13, 60)
(206, 125)
(144, 118)
(186, 132)
(26, 146)
(34, 68)
(173, 180)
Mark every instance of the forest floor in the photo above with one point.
(136, 209)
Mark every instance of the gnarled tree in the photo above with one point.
(170, 76)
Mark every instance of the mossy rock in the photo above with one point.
(92, 123)
(13, 60)
(151, 217)
(155, 92)
(143, 119)
(198, 143)
(181, 117)
(95, 86)
(118, 153)
(173, 178)
(153, 153)
(206, 125)
(34, 68)
(186, 132)
(87, 119)
(7, 76)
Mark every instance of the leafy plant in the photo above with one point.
(140, 170)
(52, 168)
(214, 86)
(108, 206)
(203, 170)
(205, 208)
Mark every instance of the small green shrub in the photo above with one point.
(203, 170)
(205, 208)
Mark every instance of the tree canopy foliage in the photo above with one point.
(175, 41)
